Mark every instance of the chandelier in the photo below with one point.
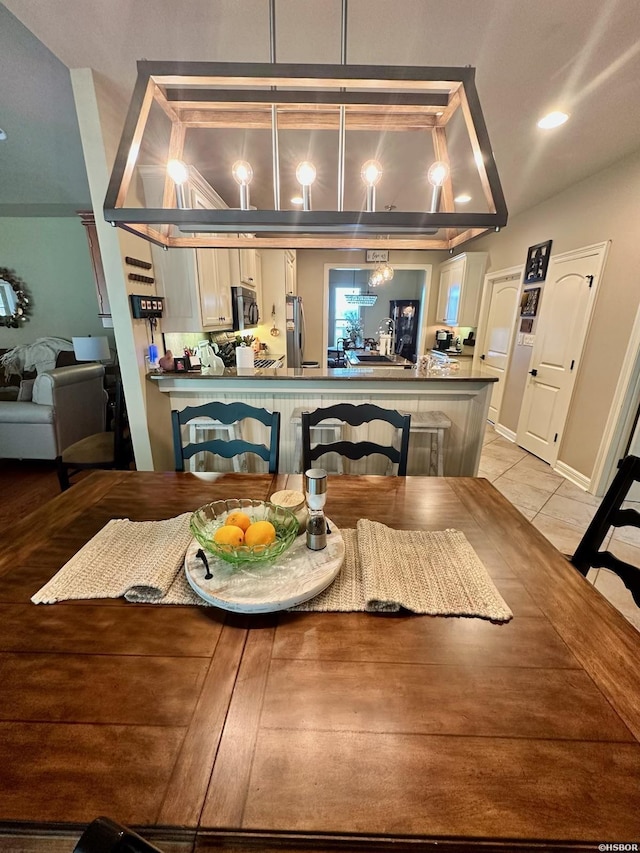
(364, 299)
(382, 273)
(299, 155)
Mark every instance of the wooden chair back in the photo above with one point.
(611, 514)
(227, 413)
(356, 416)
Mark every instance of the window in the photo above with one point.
(343, 313)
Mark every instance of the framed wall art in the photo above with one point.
(377, 256)
(529, 302)
(537, 262)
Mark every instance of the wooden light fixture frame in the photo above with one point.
(328, 97)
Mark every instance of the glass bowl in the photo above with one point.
(206, 520)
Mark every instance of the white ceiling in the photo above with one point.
(531, 56)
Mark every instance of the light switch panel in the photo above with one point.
(520, 339)
(529, 340)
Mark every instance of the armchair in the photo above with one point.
(67, 404)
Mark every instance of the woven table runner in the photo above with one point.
(427, 572)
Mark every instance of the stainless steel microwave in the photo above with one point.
(245, 309)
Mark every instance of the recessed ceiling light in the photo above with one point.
(462, 199)
(3, 135)
(297, 199)
(554, 119)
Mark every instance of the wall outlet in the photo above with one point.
(529, 340)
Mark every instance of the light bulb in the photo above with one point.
(371, 173)
(306, 175)
(242, 172)
(438, 173)
(178, 172)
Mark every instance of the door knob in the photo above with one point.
(533, 372)
(482, 356)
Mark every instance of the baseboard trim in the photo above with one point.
(572, 475)
(505, 432)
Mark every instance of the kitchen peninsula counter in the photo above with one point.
(463, 394)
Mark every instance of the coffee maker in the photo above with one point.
(444, 339)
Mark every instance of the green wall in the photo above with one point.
(51, 256)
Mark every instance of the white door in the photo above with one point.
(567, 303)
(497, 333)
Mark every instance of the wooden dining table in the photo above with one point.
(207, 730)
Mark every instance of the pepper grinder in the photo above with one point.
(315, 490)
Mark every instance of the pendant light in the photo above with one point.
(345, 102)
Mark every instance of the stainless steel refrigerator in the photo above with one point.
(295, 331)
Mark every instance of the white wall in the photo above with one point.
(603, 207)
(51, 256)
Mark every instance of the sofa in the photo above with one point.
(55, 409)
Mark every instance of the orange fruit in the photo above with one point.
(229, 535)
(260, 533)
(238, 519)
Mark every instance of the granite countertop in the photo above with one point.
(463, 372)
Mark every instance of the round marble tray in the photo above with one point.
(296, 576)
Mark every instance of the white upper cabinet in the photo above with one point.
(290, 280)
(196, 283)
(248, 271)
(460, 289)
(214, 288)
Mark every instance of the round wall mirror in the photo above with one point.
(14, 299)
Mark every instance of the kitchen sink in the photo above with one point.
(377, 360)
(374, 359)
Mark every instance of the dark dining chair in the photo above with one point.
(110, 449)
(611, 514)
(356, 416)
(104, 835)
(212, 416)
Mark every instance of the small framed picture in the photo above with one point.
(181, 364)
(537, 262)
(377, 256)
(529, 302)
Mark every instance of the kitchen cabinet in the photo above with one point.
(290, 279)
(214, 291)
(196, 283)
(246, 271)
(460, 289)
(248, 267)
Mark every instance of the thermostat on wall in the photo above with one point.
(143, 307)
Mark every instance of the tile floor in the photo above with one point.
(560, 511)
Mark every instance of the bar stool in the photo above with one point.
(434, 425)
(333, 427)
(198, 426)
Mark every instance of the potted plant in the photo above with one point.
(354, 327)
